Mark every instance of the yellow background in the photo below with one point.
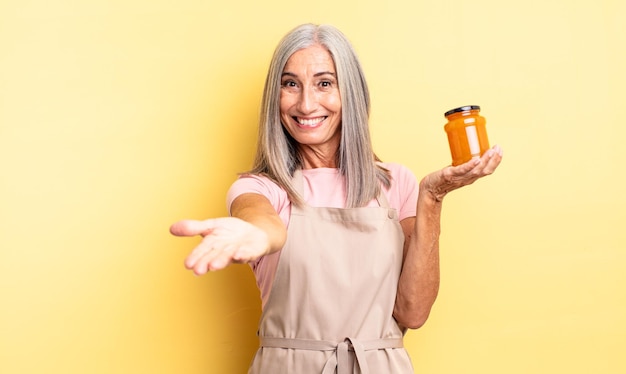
(119, 117)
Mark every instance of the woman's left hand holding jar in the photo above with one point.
(450, 178)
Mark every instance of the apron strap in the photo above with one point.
(339, 360)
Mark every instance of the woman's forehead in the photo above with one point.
(314, 59)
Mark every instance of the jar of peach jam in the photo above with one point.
(467, 135)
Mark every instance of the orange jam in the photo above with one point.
(467, 135)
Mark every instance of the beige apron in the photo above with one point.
(331, 304)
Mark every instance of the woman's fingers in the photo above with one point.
(487, 165)
(219, 258)
(484, 166)
(214, 259)
(494, 160)
(201, 251)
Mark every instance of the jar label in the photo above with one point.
(472, 139)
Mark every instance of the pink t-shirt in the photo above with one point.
(323, 187)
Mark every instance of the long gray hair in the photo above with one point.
(277, 154)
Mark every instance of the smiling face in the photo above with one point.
(310, 104)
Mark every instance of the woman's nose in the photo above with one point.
(307, 101)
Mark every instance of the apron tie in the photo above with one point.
(340, 360)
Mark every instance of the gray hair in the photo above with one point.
(277, 154)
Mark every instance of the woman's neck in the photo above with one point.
(315, 157)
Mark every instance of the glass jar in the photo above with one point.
(467, 135)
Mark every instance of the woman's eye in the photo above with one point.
(326, 85)
(289, 84)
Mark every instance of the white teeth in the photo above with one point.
(310, 122)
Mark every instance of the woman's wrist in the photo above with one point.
(429, 190)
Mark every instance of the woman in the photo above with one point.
(345, 248)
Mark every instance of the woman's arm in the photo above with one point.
(419, 280)
(254, 230)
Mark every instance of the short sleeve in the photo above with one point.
(249, 183)
(403, 191)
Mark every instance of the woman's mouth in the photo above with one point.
(309, 122)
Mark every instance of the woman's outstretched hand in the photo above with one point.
(226, 240)
(441, 182)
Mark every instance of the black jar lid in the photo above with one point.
(462, 109)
